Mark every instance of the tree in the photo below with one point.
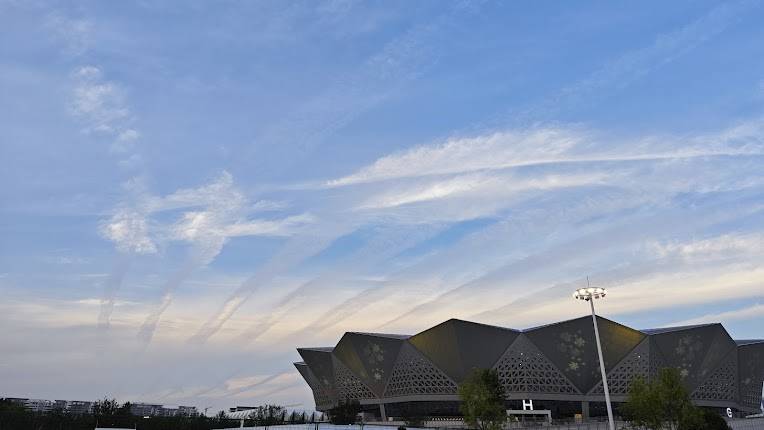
(482, 398)
(714, 421)
(345, 412)
(125, 410)
(105, 407)
(10, 406)
(665, 404)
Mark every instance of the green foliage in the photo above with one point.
(345, 412)
(482, 400)
(665, 404)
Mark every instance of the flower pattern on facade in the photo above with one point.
(688, 348)
(572, 345)
(375, 356)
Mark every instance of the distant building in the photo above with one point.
(156, 410)
(79, 407)
(241, 408)
(556, 366)
(75, 407)
(188, 411)
(35, 405)
(146, 409)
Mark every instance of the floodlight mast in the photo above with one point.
(589, 294)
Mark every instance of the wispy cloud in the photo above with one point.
(75, 34)
(129, 230)
(223, 213)
(292, 253)
(503, 150)
(747, 312)
(474, 185)
(102, 106)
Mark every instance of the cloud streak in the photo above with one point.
(223, 216)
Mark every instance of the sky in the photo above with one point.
(191, 190)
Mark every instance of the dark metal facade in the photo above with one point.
(552, 363)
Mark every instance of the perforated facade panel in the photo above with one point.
(349, 386)
(414, 374)
(524, 369)
(635, 364)
(751, 373)
(721, 384)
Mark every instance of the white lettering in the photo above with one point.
(527, 405)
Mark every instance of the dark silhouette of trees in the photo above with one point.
(665, 404)
(345, 412)
(482, 399)
(109, 413)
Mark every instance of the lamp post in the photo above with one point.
(589, 294)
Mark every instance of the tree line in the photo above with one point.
(109, 413)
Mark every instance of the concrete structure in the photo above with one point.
(79, 407)
(156, 410)
(554, 365)
(35, 405)
(76, 407)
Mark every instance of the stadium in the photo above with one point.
(555, 366)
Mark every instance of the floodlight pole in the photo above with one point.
(602, 367)
(589, 294)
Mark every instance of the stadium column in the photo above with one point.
(585, 410)
(382, 413)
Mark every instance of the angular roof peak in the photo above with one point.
(316, 348)
(525, 330)
(461, 321)
(741, 342)
(385, 335)
(457, 346)
(661, 330)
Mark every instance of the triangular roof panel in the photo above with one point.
(572, 347)
(458, 346)
(319, 360)
(371, 357)
(694, 350)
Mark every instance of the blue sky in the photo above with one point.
(190, 190)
